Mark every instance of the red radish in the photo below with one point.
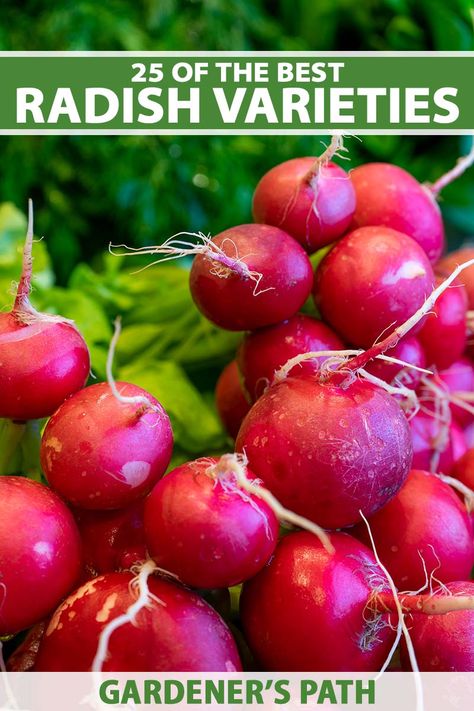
(102, 452)
(458, 380)
(24, 657)
(326, 450)
(308, 609)
(231, 402)
(202, 527)
(410, 540)
(43, 358)
(265, 278)
(445, 642)
(263, 352)
(469, 435)
(464, 469)
(437, 442)
(176, 631)
(443, 335)
(407, 350)
(311, 199)
(112, 540)
(40, 553)
(388, 195)
(448, 263)
(372, 280)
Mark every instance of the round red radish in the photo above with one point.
(327, 450)
(437, 444)
(112, 540)
(373, 280)
(263, 352)
(307, 610)
(101, 453)
(40, 553)
(464, 469)
(176, 632)
(313, 204)
(443, 335)
(449, 263)
(388, 195)
(408, 534)
(202, 527)
(231, 402)
(408, 350)
(443, 643)
(230, 298)
(458, 379)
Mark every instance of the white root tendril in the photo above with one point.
(174, 248)
(461, 488)
(401, 627)
(236, 464)
(144, 600)
(125, 399)
(462, 164)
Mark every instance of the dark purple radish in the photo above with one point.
(254, 276)
(310, 198)
(410, 541)
(409, 351)
(231, 403)
(203, 528)
(263, 352)
(174, 630)
(44, 359)
(372, 280)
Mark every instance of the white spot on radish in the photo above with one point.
(230, 667)
(104, 613)
(54, 443)
(411, 269)
(136, 473)
(44, 549)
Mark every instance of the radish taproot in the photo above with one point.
(202, 527)
(372, 280)
(100, 451)
(310, 198)
(40, 553)
(175, 631)
(410, 541)
(231, 403)
(44, 359)
(262, 352)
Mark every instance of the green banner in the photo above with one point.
(273, 92)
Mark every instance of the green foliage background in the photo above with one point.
(138, 190)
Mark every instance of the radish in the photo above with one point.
(202, 527)
(112, 540)
(444, 642)
(451, 261)
(263, 352)
(263, 277)
(458, 380)
(410, 540)
(327, 449)
(388, 195)
(231, 402)
(409, 351)
(443, 335)
(464, 469)
(175, 630)
(310, 198)
(437, 441)
(103, 452)
(43, 358)
(373, 279)
(40, 553)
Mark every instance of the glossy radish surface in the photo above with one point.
(410, 539)
(443, 335)
(179, 633)
(388, 195)
(231, 402)
(326, 451)
(449, 262)
(371, 281)
(235, 301)
(202, 527)
(314, 207)
(262, 352)
(101, 453)
(307, 609)
(40, 553)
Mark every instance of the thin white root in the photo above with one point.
(462, 164)
(401, 628)
(335, 148)
(461, 488)
(337, 357)
(174, 248)
(235, 464)
(442, 414)
(125, 399)
(145, 599)
(410, 396)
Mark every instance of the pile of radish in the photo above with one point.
(342, 514)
